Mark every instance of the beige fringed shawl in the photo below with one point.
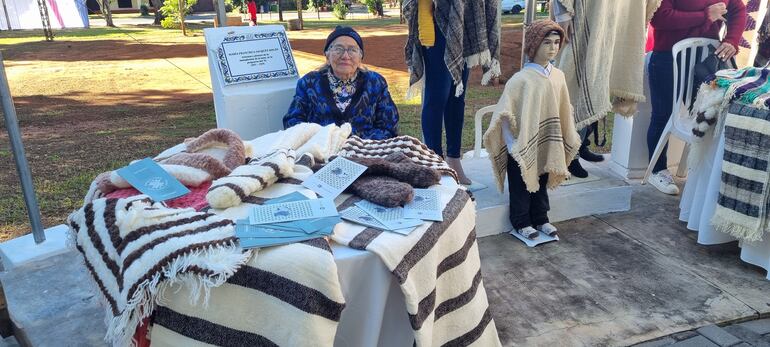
(538, 111)
(604, 61)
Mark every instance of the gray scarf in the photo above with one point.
(472, 32)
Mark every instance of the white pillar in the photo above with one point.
(629, 139)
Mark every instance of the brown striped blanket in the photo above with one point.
(284, 296)
(439, 271)
(135, 249)
(417, 151)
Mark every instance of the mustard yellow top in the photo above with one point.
(425, 26)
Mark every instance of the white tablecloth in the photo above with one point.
(699, 201)
(375, 311)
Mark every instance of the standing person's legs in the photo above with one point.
(661, 76)
(438, 85)
(661, 71)
(454, 117)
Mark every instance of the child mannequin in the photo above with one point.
(532, 136)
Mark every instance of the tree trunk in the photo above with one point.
(280, 12)
(299, 14)
(156, 4)
(107, 13)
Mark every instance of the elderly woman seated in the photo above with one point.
(344, 91)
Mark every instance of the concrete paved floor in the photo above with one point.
(618, 279)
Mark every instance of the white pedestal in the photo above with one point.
(250, 109)
(629, 141)
(22, 250)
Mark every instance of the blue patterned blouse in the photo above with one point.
(371, 111)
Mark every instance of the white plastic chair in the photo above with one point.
(478, 152)
(680, 124)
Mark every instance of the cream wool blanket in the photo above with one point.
(438, 269)
(539, 114)
(135, 249)
(604, 60)
(283, 296)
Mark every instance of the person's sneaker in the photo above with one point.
(664, 182)
(576, 169)
(527, 232)
(547, 229)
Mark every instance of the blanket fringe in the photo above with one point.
(120, 329)
(742, 232)
(494, 71)
(415, 89)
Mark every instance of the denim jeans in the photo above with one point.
(440, 107)
(661, 75)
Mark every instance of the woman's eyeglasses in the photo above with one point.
(339, 51)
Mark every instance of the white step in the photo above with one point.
(602, 192)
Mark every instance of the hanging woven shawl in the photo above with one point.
(472, 31)
(604, 61)
(744, 195)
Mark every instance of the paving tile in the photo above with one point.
(761, 326)
(697, 341)
(664, 342)
(684, 335)
(719, 336)
(747, 335)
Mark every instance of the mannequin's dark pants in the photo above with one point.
(526, 209)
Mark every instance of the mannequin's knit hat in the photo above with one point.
(344, 31)
(536, 32)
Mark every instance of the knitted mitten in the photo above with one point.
(383, 190)
(400, 167)
(259, 174)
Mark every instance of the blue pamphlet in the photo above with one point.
(292, 211)
(149, 178)
(335, 177)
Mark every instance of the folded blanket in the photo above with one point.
(415, 150)
(321, 142)
(438, 269)
(259, 174)
(284, 296)
(743, 194)
(135, 249)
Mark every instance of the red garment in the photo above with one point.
(253, 11)
(676, 20)
(650, 45)
(195, 199)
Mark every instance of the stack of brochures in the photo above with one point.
(400, 220)
(287, 219)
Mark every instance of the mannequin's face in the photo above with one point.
(548, 49)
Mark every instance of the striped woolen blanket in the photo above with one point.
(604, 59)
(284, 296)
(418, 152)
(743, 194)
(438, 269)
(135, 249)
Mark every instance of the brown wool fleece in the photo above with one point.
(537, 32)
(399, 166)
(236, 153)
(383, 190)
